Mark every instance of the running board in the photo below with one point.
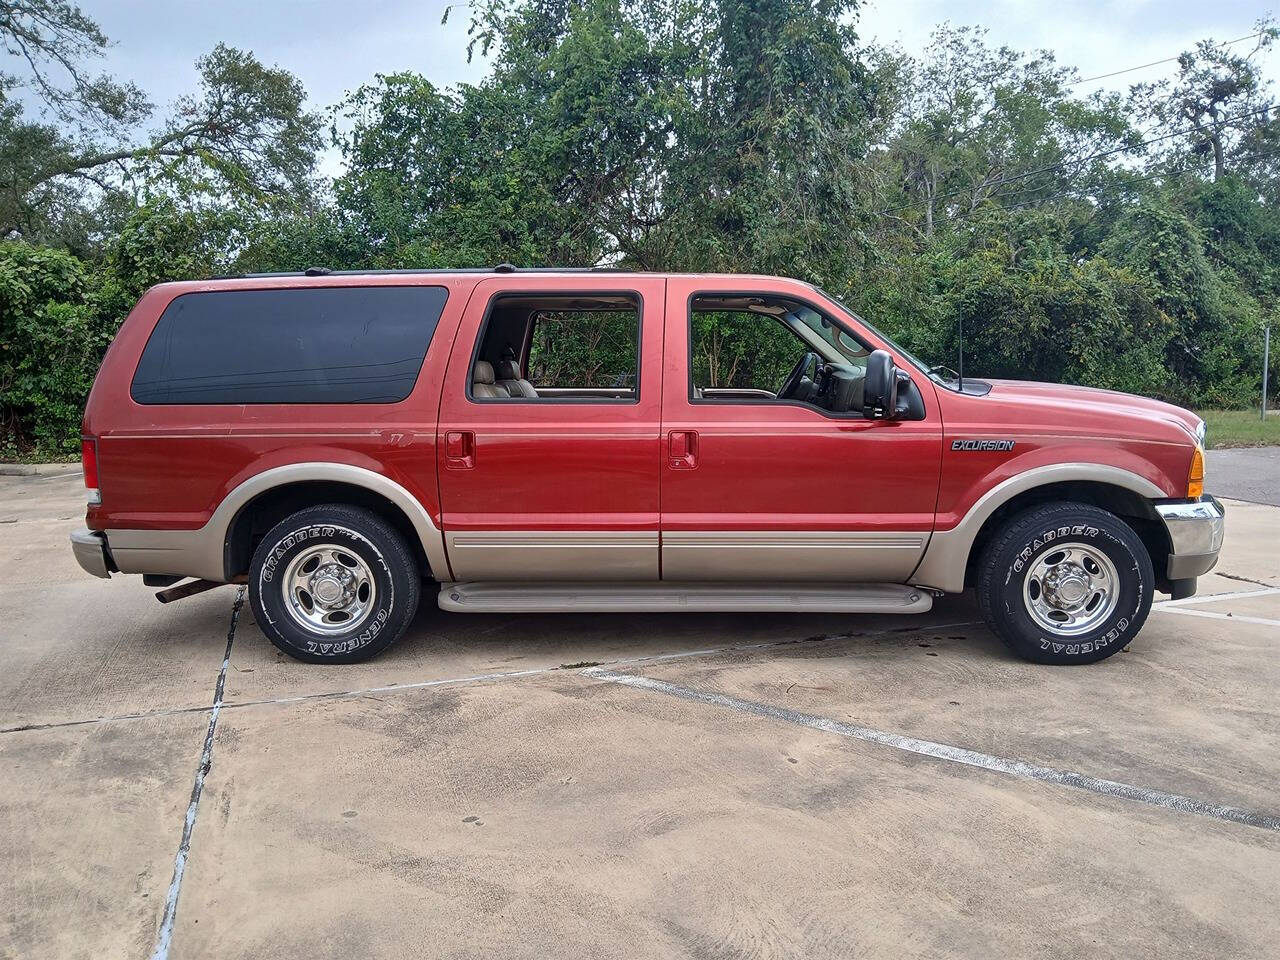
(661, 597)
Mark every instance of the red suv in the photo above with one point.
(532, 441)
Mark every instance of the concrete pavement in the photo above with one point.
(484, 790)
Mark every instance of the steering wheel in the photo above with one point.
(794, 378)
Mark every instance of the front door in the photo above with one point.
(769, 487)
(549, 430)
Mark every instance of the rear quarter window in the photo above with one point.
(300, 345)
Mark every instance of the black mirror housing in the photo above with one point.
(880, 387)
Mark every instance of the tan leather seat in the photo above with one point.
(482, 383)
(516, 386)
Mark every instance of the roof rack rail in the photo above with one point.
(326, 272)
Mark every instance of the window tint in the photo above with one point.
(302, 345)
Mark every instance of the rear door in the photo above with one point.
(549, 430)
(757, 488)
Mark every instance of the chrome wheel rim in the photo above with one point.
(328, 589)
(1071, 589)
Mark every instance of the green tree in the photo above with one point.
(246, 134)
(1215, 104)
(975, 120)
(1216, 324)
(51, 340)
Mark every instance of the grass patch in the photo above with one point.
(1240, 428)
(579, 665)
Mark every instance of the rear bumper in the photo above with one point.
(90, 548)
(1195, 536)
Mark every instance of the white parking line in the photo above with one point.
(537, 671)
(1214, 598)
(1211, 615)
(484, 677)
(942, 751)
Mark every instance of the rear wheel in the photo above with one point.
(1065, 583)
(333, 584)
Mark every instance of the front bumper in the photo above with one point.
(90, 548)
(1195, 536)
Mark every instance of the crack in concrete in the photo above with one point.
(942, 751)
(164, 936)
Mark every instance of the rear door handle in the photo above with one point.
(459, 450)
(682, 449)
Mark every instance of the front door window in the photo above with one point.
(761, 349)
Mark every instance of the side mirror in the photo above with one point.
(880, 387)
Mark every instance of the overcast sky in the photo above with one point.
(336, 45)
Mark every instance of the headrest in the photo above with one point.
(508, 370)
(483, 372)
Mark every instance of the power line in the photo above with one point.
(1156, 63)
(1078, 160)
(1038, 188)
(1170, 174)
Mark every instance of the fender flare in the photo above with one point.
(219, 525)
(946, 557)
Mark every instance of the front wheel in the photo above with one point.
(1065, 583)
(333, 584)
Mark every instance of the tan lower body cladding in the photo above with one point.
(771, 556)
(836, 557)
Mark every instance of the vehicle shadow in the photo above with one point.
(588, 639)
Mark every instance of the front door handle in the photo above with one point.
(682, 449)
(459, 450)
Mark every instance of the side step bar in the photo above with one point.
(661, 597)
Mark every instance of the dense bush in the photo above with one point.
(52, 336)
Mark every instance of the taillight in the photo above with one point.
(1195, 479)
(89, 460)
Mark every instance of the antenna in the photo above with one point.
(960, 370)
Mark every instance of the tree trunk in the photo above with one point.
(931, 187)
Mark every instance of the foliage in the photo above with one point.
(51, 340)
(1200, 107)
(974, 187)
(87, 157)
(585, 349)
(741, 350)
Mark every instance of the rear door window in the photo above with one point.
(300, 345)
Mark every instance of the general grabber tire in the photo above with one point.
(333, 584)
(1065, 583)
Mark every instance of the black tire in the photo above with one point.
(378, 561)
(1008, 586)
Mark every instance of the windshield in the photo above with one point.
(844, 345)
(934, 373)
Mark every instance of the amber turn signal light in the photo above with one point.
(1195, 479)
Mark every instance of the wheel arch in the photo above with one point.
(950, 558)
(263, 500)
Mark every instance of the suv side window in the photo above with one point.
(754, 348)
(291, 345)
(541, 348)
